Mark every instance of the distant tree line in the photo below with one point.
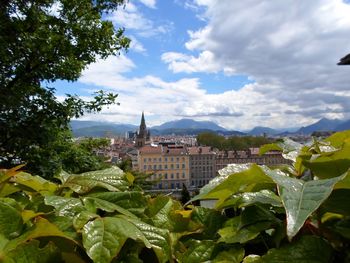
(231, 143)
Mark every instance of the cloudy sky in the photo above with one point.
(238, 63)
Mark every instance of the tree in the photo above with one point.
(185, 195)
(43, 41)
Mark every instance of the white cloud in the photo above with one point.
(205, 62)
(132, 19)
(290, 48)
(149, 3)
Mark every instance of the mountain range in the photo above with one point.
(192, 127)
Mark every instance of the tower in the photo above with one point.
(143, 134)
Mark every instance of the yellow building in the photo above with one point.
(167, 163)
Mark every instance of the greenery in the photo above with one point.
(43, 41)
(231, 143)
(296, 213)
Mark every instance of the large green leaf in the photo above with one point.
(211, 221)
(309, 249)
(248, 199)
(198, 251)
(289, 148)
(244, 181)
(92, 204)
(11, 222)
(104, 237)
(133, 201)
(36, 183)
(112, 179)
(65, 206)
(330, 164)
(337, 139)
(232, 232)
(40, 228)
(31, 252)
(300, 198)
(233, 255)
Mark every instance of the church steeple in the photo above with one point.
(143, 135)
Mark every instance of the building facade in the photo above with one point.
(168, 164)
(223, 158)
(202, 165)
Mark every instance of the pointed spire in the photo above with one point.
(143, 122)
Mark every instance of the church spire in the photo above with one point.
(143, 135)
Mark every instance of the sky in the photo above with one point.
(238, 63)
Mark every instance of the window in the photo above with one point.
(160, 159)
(165, 166)
(145, 167)
(177, 166)
(177, 175)
(178, 185)
(177, 159)
(183, 175)
(172, 185)
(160, 167)
(172, 176)
(165, 176)
(160, 186)
(183, 165)
(145, 160)
(166, 159)
(172, 159)
(154, 166)
(172, 166)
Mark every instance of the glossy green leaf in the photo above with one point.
(309, 249)
(234, 255)
(82, 218)
(331, 164)
(244, 181)
(135, 202)
(233, 233)
(11, 222)
(104, 237)
(251, 259)
(112, 179)
(300, 198)
(36, 183)
(40, 228)
(30, 252)
(289, 148)
(198, 251)
(65, 206)
(211, 221)
(92, 204)
(337, 139)
(247, 199)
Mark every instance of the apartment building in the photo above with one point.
(167, 163)
(202, 165)
(223, 158)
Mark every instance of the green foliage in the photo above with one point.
(260, 215)
(41, 42)
(231, 143)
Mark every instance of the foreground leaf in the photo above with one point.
(198, 251)
(300, 198)
(112, 179)
(11, 222)
(309, 249)
(31, 252)
(245, 181)
(104, 237)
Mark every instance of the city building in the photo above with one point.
(202, 165)
(223, 158)
(168, 164)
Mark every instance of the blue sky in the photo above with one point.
(238, 63)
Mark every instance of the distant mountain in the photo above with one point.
(343, 126)
(323, 124)
(99, 129)
(189, 124)
(258, 131)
